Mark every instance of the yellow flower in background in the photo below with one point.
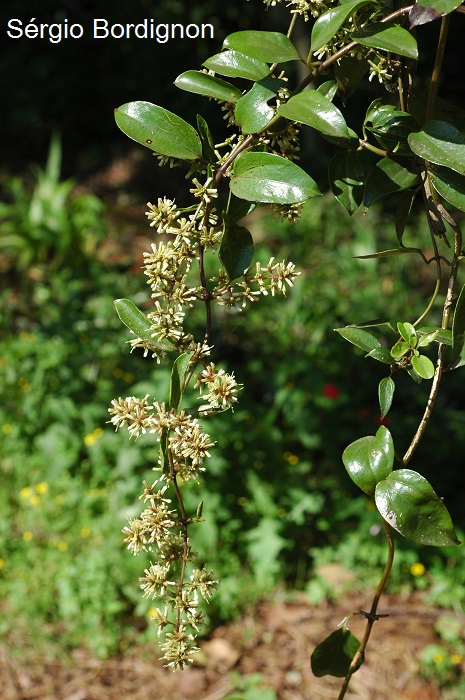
(42, 487)
(62, 546)
(26, 492)
(27, 535)
(91, 438)
(7, 428)
(34, 500)
(417, 569)
(455, 658)
(2, 564)
(438, 658)
(84, 532)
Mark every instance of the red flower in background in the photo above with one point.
(331, 391)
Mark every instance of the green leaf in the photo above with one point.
(236, 250)
(357, 336)
(208, 85)
(423, 366)
(138, 323)
(346, 179)
(407, 501)
(252, 111)
(331, 21)
(387, 37)
(370, 459)
(266, 177)
(386, 390)
(450, 186)
(388, 253)
(208, 146)
(458, 333)
(312, 108)
(427, 338)
(328, 89)
(386, 177)
(349, 71)
(159, 130)
(442, 335)
(408, 333)
(441, 143)
(430, 10)
(178, 376)
(400, 349)
(333, 656)
(271, 47)
(382, 355)
(236, 65)
(164, 459)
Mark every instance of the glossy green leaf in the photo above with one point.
(138, 323)
(333, 656)
(237, 248)
(357, 336)
(265, 177)
(370, 459)
(408, 333)
(400, 349)
(423, 366)
(208, 85)
(441, 143)
(386, 177)
(450, 185)
(328, 89)
(386, 390)
(346, 179)
(235, 64)
(407, 501)
(331, 21)
(159, 130)
(458, 333)
(313, 109)
(387, 37)
(253, 111)
(178, 377)
(382, 355)
(208, 146)
(404, 207)
(427, 338)
(271, 47)
(430, 10)
(442, 335)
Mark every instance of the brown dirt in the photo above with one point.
(275, 642)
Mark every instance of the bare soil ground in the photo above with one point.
(276, 642)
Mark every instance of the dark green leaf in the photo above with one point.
(138, 323)
(236, 250)
(450, 186)
(357, 336)
(252, 111)
(458, 333)
(265, 177)
(382, 355)
(386, 177)
(441, 143)
(199, 511)
(312, 108)
(370, 459)
(407, 501)
(423, 366)
(333, 656)
(386, 390)
(271, 47)
(159, 130)
(235, 64)
(178, 376)
(404, 207)
(208, 147)
(430, 10)
(348, 72)
(164, 459)
(387, 37)
(346, 179)
(329, 23)
(328, 89)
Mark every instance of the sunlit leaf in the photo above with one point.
(252, 110)
(386, 177)
(387, 37)
(333, 656)
(450, 185)
(266, 177)
(357, 336)
(208, 85)
(370, 459)
(441, 143)
(271, 47)
(423, 366)
(331, 21)
(159, 130)
(407, 501)
(138, 323)
(313, 109)
(235, 64)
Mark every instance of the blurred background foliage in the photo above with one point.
(279, 508)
